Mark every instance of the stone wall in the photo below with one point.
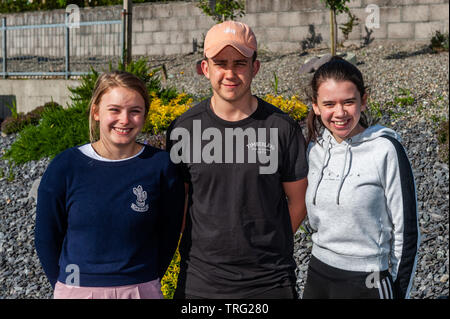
(280, 25)
(31, 93)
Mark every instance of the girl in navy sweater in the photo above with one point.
(109, 213)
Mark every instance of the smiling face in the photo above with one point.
(230, 74)
(121, 116)
(339, 105)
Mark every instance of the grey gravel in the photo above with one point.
(387, 70)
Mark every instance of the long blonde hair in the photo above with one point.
(110, 80)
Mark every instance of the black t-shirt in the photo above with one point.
(238, 237)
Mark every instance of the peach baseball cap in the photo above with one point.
(237, 34)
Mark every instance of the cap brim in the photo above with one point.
(245, 51)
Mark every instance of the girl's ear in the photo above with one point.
(316, 109)
(94, 110)
(364, 102)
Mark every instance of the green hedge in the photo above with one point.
(13, 6)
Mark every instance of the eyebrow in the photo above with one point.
(120, 106)
(238, 60)
(332, 101)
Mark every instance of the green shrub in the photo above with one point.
(11, 6)
(151, 78)
(439, 41)
(58, 130)
(161, 114)
(224, 9)
(19, 121)
(13, 125)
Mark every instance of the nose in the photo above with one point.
(123, 117)
(229, 72)
(339, 110)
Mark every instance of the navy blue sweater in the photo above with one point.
(117, 222)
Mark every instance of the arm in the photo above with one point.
(51, 226)
(186, 202)
(171, 217)
(295, 193)
(401, 203)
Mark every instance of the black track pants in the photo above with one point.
(326, 282)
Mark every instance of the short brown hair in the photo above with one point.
(107, 81)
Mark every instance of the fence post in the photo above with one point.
(128, 8)
(67, 45)
(4, 49)
(122, 38)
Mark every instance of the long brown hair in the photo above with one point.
(336, 69)
(107, 81)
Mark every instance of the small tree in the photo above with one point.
(336, 7)
(222, 10)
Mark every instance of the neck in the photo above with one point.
(234, 110)
(115, 153)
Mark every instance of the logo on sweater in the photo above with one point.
(260, 147)
(141, 195)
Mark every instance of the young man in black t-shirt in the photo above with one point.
(244, 166)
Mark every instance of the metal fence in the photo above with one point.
(60, 49)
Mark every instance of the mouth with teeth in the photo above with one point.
(341, 124)
(122, 131)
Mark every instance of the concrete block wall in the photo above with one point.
(280, 25)
(31, 93)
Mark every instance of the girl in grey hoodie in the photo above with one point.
(361, 198)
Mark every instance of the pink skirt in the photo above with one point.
(146, 290)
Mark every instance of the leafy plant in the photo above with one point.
(16, 124)
(373, 113)
(405, 98)
(58, 130)
(160, 115)
(439, 41)
(10, 6)
(170, 278)
(61, 128)
(336, 7)
(275, 83)
(13, 109)
(347, 27)
(223, 9)
(295, 108)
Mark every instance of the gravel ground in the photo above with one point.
(388, 69)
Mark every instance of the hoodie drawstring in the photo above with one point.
(327, 152)
(347, 149)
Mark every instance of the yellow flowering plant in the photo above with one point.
(161, 114)
(295, 108)
(170, 278)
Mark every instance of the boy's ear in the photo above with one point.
(205, 67)
(256, 67)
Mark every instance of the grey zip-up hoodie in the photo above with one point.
(362, 205)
